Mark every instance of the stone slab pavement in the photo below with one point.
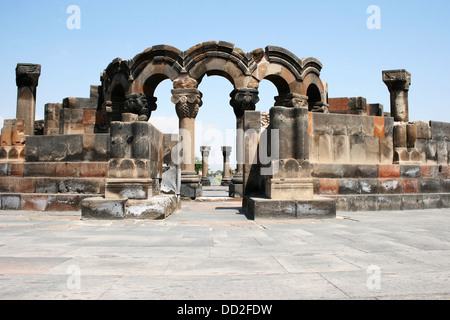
(210, 250)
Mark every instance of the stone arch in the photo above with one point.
(220, 59)
(314, 96)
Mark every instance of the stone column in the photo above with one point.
(226, 178)
(241, 101)
(291, 172)
(398, 82)
(205, 150)
(187, 102)
(27, 77)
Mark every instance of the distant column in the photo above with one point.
(226, 177)
(205, 150)
(27, 77)
(241, 100)
(398, 82)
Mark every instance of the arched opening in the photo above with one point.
(118, 101)
(314, 96)
(215, 124)
(164, 118)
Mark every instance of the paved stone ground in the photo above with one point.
(209, 250)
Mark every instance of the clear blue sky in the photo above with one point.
(414, 35)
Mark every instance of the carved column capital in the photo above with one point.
(243, 99)
(292, 100)
(27, 75)
(205, 150)
(140, 104)
(397, 79)
(187, 101)
(226, 152)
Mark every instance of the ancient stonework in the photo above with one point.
(308, 157)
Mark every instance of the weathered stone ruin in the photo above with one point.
(310, 156)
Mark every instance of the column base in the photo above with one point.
(289, 189)
(191, 190)
(236, 190)
(205, 182)
(128, 188)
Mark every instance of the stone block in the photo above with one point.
(325, 149)
(329, 186)
(327, 171)
(263, 208)
(100, 208)
(375, 109)
(7, 184)
(338, 105)
(367, 171)
(440, 130)
(10, 201)
(314, 147)
(342, 203)
(39, 169)
(368, 186)
(25, 185)
(431, 151)
(191, 190)
(360, 125)
(432, 201)
(412, 202)
(442, 152)
(94, 169)
(389, 171)
(284, 189)
(349, 186)
(429, 171)
(341, 149)
(410, 171)
(390, 186)
(236, 190)
(358, 104)
(386, 150)
(357, 149)
(16, 169)
(372, 149)
(388, 127)
(81, 185)
(128, 189)
(67, 169)
(46, 185)
(389, 202)
(379, 127)
(54, 148)
(155, 208)
(445, 185)
(411, 185)
(363, 203)
(423, 130)
(33, 202)
(429, 186)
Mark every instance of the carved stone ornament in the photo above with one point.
(27, 75)
(141, 105)
(187, 102)
(243, 99)
(292, 100)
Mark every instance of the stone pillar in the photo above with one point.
(291, 172)
(187, 102)
(290, 117)
(27, 77)
(398, 82)
(241, 100)
(226, 177)
(205, 157)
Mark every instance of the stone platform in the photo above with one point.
(318, 207)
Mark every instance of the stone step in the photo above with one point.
(55, 185)
(42, 201)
